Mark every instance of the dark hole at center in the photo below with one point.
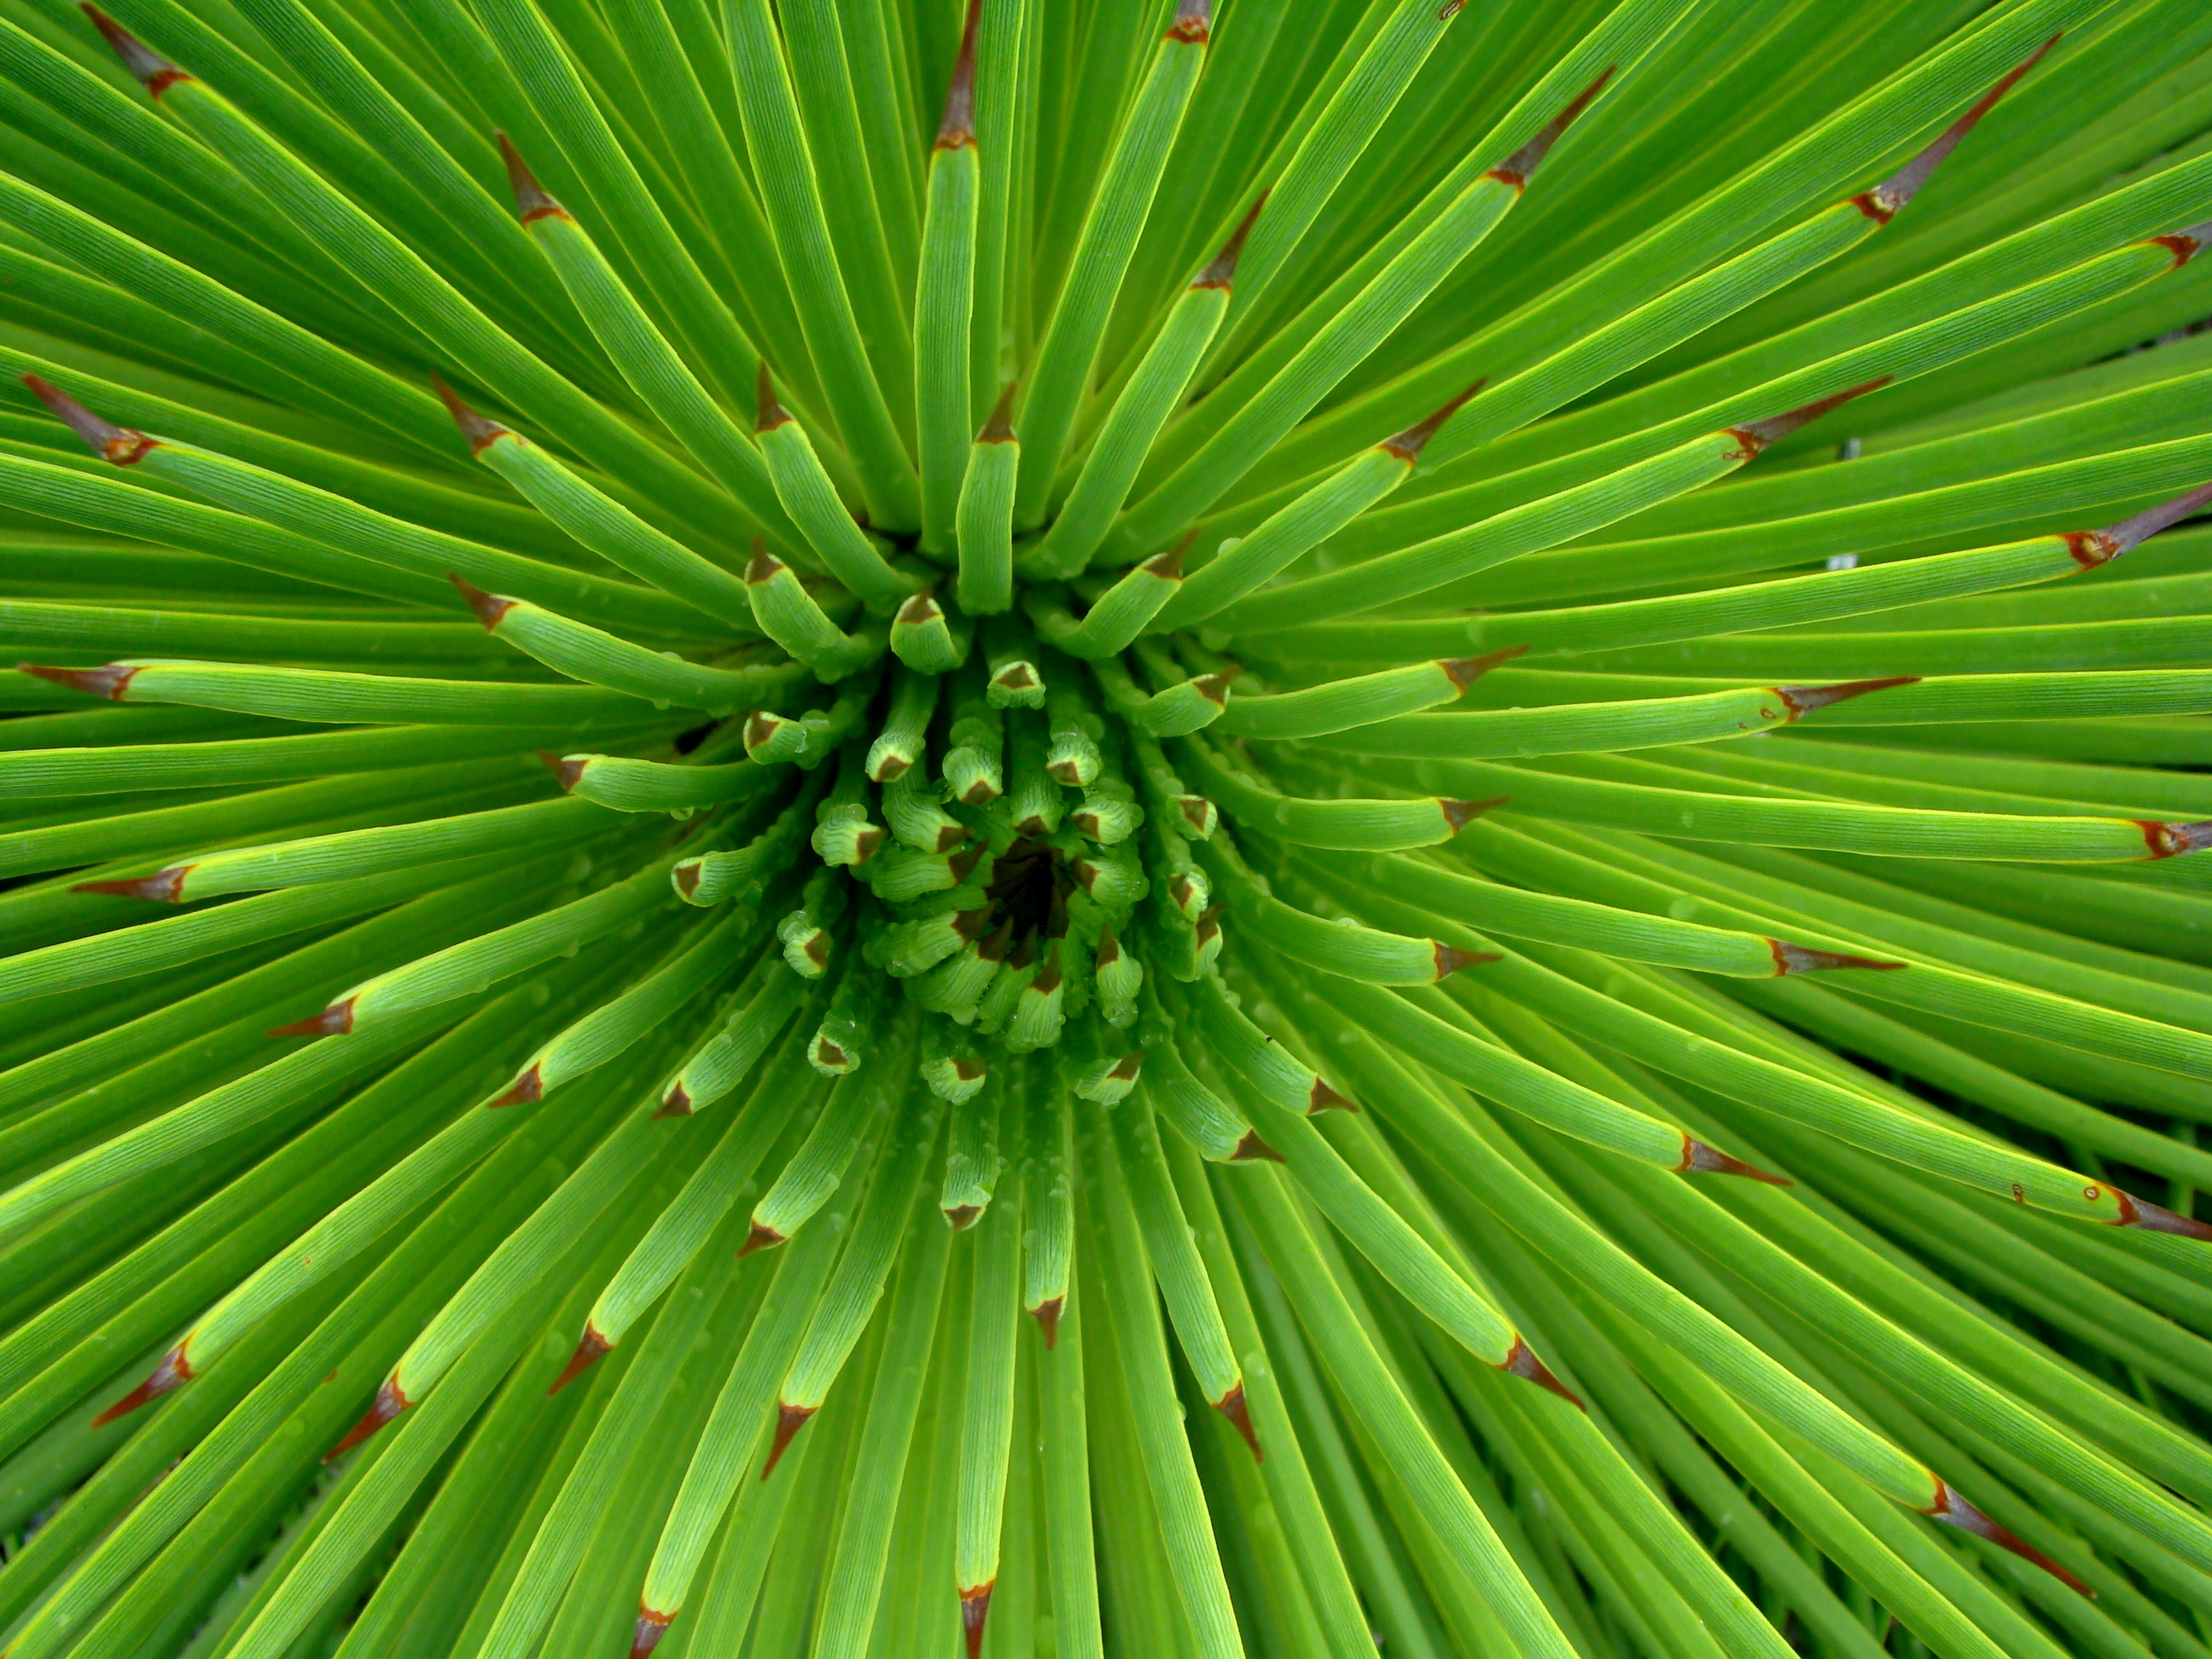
(1029, 889)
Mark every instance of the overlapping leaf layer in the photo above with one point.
(1079, 826)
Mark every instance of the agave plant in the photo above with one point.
(1220, 949)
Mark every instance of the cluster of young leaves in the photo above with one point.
(1056, 729)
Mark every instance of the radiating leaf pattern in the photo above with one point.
(1016, 827)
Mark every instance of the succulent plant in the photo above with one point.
(1371, 817)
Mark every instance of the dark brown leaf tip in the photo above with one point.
(389, 1403)
(163, 886)
(919, 610)
(174, 1372)
(1956, 1511)
(1168, 566)
(764, 566)
(763, 1237)
(1520, 1361)
(531, 203)
(1464, 672)
(1754, 435)
(1000, 428)
(2167, 841)
(488, 607)
(2151, 1218)
(591, 1349)
(2091, 548)
(480, 432)
(1234, 1407)
(650, 1628)
(155, 72)
(2185, 244)
(957, 130)
(567, 769)
(1194, 20)
(1214, 687)
(1221, 271)
(1803, 959)
(1017, 675)
(119, 445)
(677, 1103)
(789, 1420)
(1407, 446)
(334, 1021)
(1461, 813)
(1046, 1314)
(1804, 700)
(1514, 169)
(1698, 1159)
(974, 1613)
(528, 1087)
(1883, 201)
(1322, 1099)
(1253, 1150)
(107, 682)
(1451, 959)
(769, 414)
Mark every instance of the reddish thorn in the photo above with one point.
(961, 1217)
(789, 1420)
(1451, 959)
(1234, 1407)
(1884, 201)
(1222, 270)
(156, 73)
(1950, 1508)
(651, 1627)
(1407, 446)
(1804, 700)
(120, 445)
(958, 129)
(2157, 1219)
(677, 1103)
(1193, 19)
(1000, 428)
(108, 682)
(1464, 672)
(1754, 435)
(2113, 540)
(1322, 1099)
(480, 432)
(1017, 677)
(1459, 813)
(488, 607)
(1199, 813)
(2185, 244)
(1046, 1314)
(1516, 168)
(768, 413)
(163, 886)
(530, 1086)
(334, 1021)
(764, 566)
(687, 876)
(569, 770)
(1253, 1150)
(1803, 959)
(975, 1608)
(590, 1348)
(2167, 841)
(531, 201)
(1520, 1361)
(1698, 1159)
(1168, 566)
(174, 1371)
(390, 1402)
(763, 1237)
